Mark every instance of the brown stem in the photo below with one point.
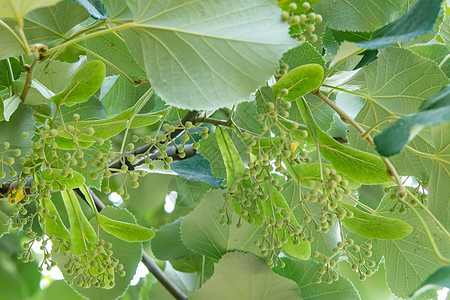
(30, 71)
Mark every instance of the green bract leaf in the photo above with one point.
(57, 179)
(361, 166)
(81, 231)
(304, 173)
(231, 158)
(53, 223)
(416, 22)
(243, 276)
(376, 227)
(84, 83)
(125, 231)
(4, 228)
(216, 61)
(356, 15)
(303, 249)
(299, 81)
(209, 237)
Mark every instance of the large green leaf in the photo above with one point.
(356, 15)
(244, 276)
(438, 187)
(167, 243)
(10, 46)
(305, 273)
(444, 30)
(112, 50)
(21, 121)
(435, 52)
(302, 55)
(52, 23)
(416, 22)
(394, 85)
(217, 60)
(202, 231)
(19, 8)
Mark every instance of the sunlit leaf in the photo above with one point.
(232, 48)
(243, 276)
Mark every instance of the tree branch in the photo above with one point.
(116, 163)
(146, 259)
(30, 71)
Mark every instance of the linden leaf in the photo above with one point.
(84, 83)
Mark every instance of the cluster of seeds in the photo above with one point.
(302, 21)
(95, 267)
(7, 159)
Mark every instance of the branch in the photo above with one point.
(146, 260)
(30, 71)
(116, 163)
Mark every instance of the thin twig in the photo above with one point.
(30, 71)
(146, 259)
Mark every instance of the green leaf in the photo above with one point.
(53, 23)
(438, 280)
(304, 173)
(202, 231)
(416, 22)
(10, 46)
(204, 65)
(128, 254)
(118, 94)
(84, 83)
(210, 150)
(53, 223)
(95, 8)
(438, 189)
(392, 140)
(112, 50)
(396, 84)
(81, 231)
(299, 81)
(10, 105)
(246, 117)
(18, 9)
(372, 226)
(435, 52)
(355, 15)
(305, 273)
(231, 158)
(167, 243)
(243, 276)
(125, 231)
(196, 168)
(444, 30)
(56, 178)
(302, 55)
(21, 121)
